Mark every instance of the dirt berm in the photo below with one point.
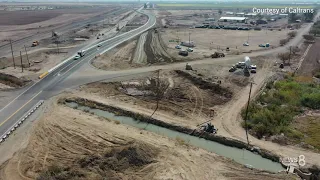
(12, 80)
(203, 84)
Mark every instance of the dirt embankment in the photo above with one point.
(155, 50)
(12, 81)
(193, 132)
(117, 58)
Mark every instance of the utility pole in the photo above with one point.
(246, 117)
(21, 61)
(14, 64)
(25, 48)
(290, 48)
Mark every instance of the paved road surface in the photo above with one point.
(42, 90)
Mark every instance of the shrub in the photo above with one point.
(274, 110)
(292, 34)
(283, 42)
(311, 100)
(308, 37)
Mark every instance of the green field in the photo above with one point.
(233, 5)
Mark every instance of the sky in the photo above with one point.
(290, 1)
(161, 0)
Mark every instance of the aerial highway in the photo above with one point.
(46, 87)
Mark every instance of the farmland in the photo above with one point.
(228, 5)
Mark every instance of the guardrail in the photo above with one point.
(4, 136)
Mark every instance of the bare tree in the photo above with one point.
(284, 57)
(158, 88)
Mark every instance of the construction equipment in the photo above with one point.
(209, 128)
(217, 55)
(188, 67)
(54, 34)
(35, 43)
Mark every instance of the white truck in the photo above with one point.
(81, 53)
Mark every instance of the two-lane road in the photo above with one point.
(43, 89)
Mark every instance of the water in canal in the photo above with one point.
(241, 156)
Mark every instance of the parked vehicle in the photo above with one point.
(183, 53)
(246, 44)
(253, 66)
(190, 50)
(217, 55)
(253, 71)
(240, 64)
(178, 47)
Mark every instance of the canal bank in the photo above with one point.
(233, 149)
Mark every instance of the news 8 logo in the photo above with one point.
(302, 160)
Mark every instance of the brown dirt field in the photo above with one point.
(40, 62)
(187, 102)
(76, 145)
(207, 40)
(29, 17)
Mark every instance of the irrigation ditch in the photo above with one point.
(229, 142)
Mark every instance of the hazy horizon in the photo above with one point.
(170, 1)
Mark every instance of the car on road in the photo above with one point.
(190, 50)
(76, 57)
(246, 44)
(253, 71)
(99, 45)
(178, 47)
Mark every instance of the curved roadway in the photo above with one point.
(48, 86)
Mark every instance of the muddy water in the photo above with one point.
(239, 155)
